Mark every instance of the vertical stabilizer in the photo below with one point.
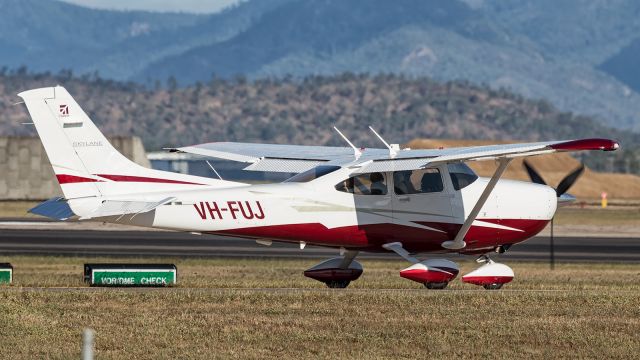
(84, 161)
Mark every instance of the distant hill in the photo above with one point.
(304, 111)
(578, 55)
(625, 65)
(49, 35)
(541, 49)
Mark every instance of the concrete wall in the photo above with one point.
(25, 171)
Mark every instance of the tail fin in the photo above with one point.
(84, 161)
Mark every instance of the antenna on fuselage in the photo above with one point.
(392, 151)
(356, 151)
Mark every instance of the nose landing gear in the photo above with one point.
(491, 275)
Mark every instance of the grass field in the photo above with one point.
(614, 216)
(234, 308)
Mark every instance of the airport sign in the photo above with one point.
(131, 274)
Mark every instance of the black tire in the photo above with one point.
(338, 284)
(436, 286)
(493, 286)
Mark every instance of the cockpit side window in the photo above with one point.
(417, 181)
(365, 184)
(461, 175)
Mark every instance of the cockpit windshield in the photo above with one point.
(461, 175)
(313, 174)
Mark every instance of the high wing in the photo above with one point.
(299, 158)
(273, 157)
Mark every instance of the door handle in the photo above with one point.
(404, 199)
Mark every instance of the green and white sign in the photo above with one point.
(133, 277)
(6, 274)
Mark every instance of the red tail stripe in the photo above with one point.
(70, 179)
(128, 178)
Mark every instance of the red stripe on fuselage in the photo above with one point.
(371, 237)
(483, 234)
(72, 179)
(129, 178)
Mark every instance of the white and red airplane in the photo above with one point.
(379, 200)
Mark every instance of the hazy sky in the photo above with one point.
(194, 6)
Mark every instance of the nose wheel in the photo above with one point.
(494, 286)
(491, 275)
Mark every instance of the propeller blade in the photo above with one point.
(533, 174)
(569, 180)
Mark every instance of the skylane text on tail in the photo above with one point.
(379, 199)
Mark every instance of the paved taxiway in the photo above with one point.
(154, 243)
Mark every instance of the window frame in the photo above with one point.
(451, 175)
(355, 186)
(438, 169)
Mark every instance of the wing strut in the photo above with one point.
(398, 249)
(458, 242)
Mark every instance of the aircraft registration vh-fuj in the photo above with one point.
(353, 199)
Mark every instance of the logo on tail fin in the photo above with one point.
(64, 110)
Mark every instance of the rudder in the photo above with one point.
(84, 161)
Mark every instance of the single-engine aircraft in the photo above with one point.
(353, 199)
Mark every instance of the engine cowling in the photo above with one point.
(432, 271)
(491, 275)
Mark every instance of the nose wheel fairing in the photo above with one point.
(491, 275)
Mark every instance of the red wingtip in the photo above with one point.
(587, 144)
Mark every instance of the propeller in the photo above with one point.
(563, 198)
(564, 185)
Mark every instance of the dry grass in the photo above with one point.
(584, 311)
(597, 216)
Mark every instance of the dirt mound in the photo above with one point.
(553, 168)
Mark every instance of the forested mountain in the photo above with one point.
(303, 111)
(625, 65)
(48, 35)
(579, 55)
(548, 49)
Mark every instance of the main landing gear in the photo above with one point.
(433, 273)
(338, 272)
(437, 273)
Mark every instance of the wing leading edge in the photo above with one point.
(298, 158)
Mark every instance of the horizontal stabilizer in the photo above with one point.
(55, 208)
(124, 207)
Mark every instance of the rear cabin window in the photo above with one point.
(461, 175)
(417, 181)
(313, 174)
(365, 184)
